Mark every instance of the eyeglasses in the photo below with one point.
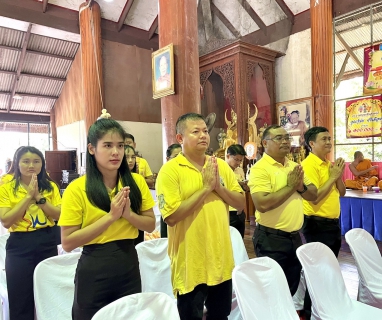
(279, 139)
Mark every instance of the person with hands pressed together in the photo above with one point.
(277, 186)
(194, 191)
(29, 204)
(102, 211)
(321, 220)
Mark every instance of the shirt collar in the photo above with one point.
(182, 160)
(273, 162)
(316, 159)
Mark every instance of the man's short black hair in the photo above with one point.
(181, 122)
(129, 136)
(266, 132)
(311, 134)
(236, 149)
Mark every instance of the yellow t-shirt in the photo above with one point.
(318, 172)
(77, 210)
(6, 178)
(268, 175)
(240, 176)
(199, 246)
(34, 217)
(143, 167)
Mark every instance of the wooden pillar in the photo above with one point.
(178, 24)
(91, 61)
(322, 64)
(53, 128)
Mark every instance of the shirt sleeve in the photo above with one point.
(4, 197)
(168, 193)
(259, 180)
(147, 199)
(146, 171)
(72, 207)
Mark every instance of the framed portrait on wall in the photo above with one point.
(296, 117)
(163, 71)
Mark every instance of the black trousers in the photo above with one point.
(163, 228)
(217, 299)
(237, 221)
(105, 273)
(281, 246)
(326, 231)
(24, 251)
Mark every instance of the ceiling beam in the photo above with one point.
(31, 75)
(349, 50)
(25, 116)
(153, 27)
(377, 43)
(19, 65)
(44, 5)
(124, 14)
(63, 19)
(288, 12)
(215, 10)
(37, 52)
(252, 13)
(342, 71)
(31, 95)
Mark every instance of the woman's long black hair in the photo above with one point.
(95, 188)
(44, 181)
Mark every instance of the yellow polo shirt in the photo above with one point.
(199, 246)
(143, 167)
(34, 218)
(318, 172)
(77, 210)
(6, 178)
(268, 175)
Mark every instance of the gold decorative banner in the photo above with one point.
(372, 70)
(364, 117)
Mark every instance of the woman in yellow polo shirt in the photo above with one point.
(29, 204)
(102, 211)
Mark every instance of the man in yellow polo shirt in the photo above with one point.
(194, 191)
(278, 186)
(321, 222)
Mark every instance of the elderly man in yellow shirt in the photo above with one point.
(321, 222)
(194, 191)
(277, 186)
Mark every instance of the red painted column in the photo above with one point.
(178, 24)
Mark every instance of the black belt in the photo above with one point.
(317, 218)
(277, 231)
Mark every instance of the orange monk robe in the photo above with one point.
(368, 179)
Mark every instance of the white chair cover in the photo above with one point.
(369, 264)
(62, 251)
(140, 306)
(299, 296)
(154, 266)
(330, 300)
(3, 279)
(54, 287)
(262, 291)
(240, 255)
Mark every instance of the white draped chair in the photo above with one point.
(154, 266)
(140, 306)
(54, 287)
(369, 264)
(262, 291)
(330, 300)
(3, 279)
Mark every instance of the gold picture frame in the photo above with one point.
(163, 71)
(296, 117)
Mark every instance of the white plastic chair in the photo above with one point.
(240, 255)
(54, 287)
(154, 266)
(369, 264)
(262, 291)
(3, 279)
(330, 300)
(139, 306)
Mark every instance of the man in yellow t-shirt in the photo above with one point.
(194, 192)
(278, 186)
(321, 222)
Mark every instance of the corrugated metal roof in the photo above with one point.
(23, 127)
(48, 64)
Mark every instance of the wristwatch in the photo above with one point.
(41, 201)
(305, 188)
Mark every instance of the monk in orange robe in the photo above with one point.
(365, 174)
